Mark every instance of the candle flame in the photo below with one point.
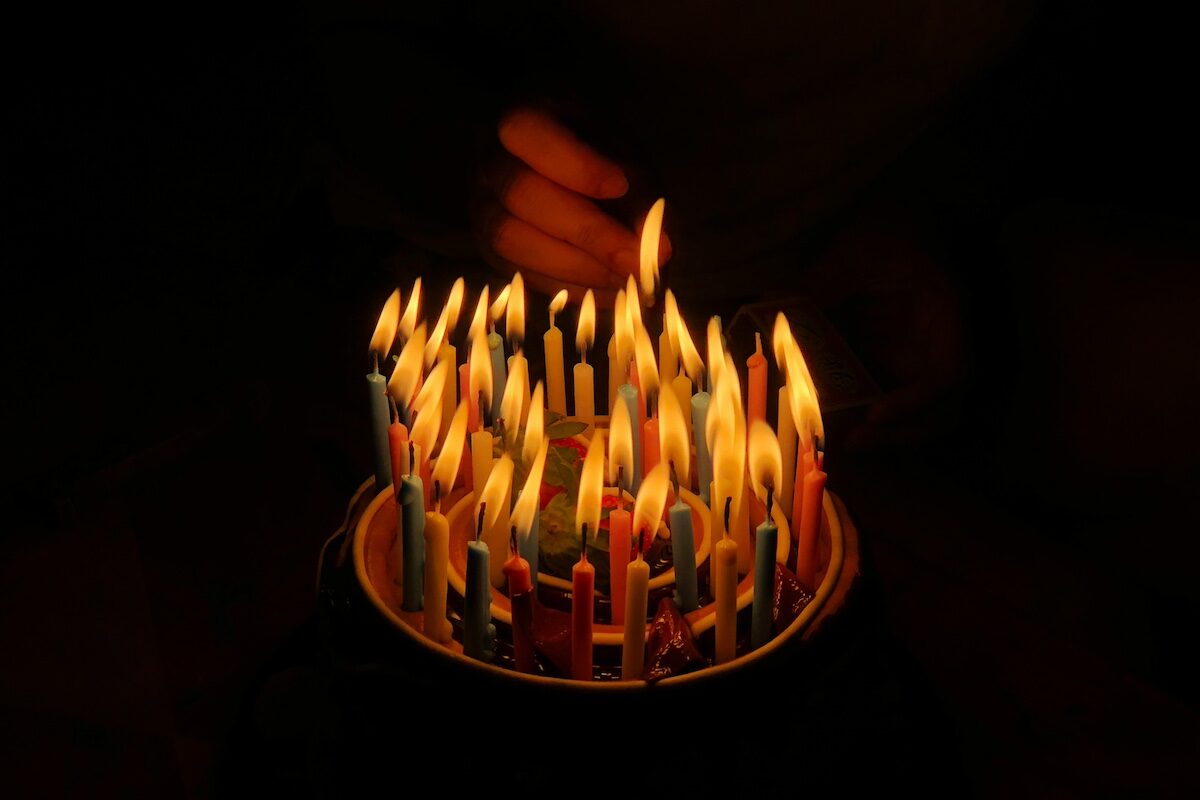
(633, 303)
(535, 424)
(622, 331)
(385, 328)
(802, 393)
(651, 499)
(672, 435)
(500, 303)
(512, 402)
(651, 233)
(557, 304)
(479, 319)
(445, 471)
(766, 462)
(403, 382)
(479, 369)
(428, 405)
(716, 349)
(725, 429)
(781, 334)
(514, 319)
(591, 486)
(530, 497)
(620, 444)
(647, 367)
(682, 341)
(408, 323)
(585, 332)
(446, 323)
(497, 492)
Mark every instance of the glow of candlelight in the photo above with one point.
(445, 471)
(672, 436)
(716, 350)
(528, 501)
(385, 328)
(591, 485)
(585, 332)
(557, 304)
(514, 318)
(647, 366)
(620, 444)
(651, 233)
(446, 323)
(766, 462)
(408, 322)
(651, 499)
(479, 320)
(428, 405)
(403, 382)
(535, 425)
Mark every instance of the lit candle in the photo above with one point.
(496, 351)
(479, 398)
(478, 631)
(620, 461)
(766, 472)
(647, 514)
(525, 513)
(381, 344)
(438, 348)
(427, 408)
(648, 251)
(412, 504)
(756, 383)
(673, 443)
(615, 373)
(514, 321)
(805, 411)
(648, 380)
(704, 468)
(520, 595)
(726, 432)
(437, 529)
(552, 344)
(513, 404)
(810, 520)
(725, 589)
(583, 574)
(585, 392)
(412, 310)
(406, 375)
(787, 449)
(497, 495)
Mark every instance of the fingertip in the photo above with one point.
(627, 261)
(612, 187)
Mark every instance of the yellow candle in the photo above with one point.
(787, 449)
(552, 345)
(725, 564)
(633, 653)
(518, 370)
(615, 374)
(683, 392)
(481, 461)
(668, 359)
(585, 389)
(437, 555)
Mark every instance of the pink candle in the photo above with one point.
(619, 524)
(398, 447)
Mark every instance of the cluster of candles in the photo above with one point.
(677, 423)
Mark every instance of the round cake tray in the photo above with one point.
(363, 621)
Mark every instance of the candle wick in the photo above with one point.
(512, 539)
(482, 418)
(394, 408)
(583, 354)
(674, 478)
(770, 501)
(374, 361)
(728, 508)
(583, 543)
(479, 526)
(412, 456)
(620, 484)
(437, 496)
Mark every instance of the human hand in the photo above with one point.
(537, 211)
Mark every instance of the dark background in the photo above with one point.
(186, 301)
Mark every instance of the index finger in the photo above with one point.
(545, 145)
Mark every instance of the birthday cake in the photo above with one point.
(678, 536)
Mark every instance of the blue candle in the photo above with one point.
(529, 551)
(767, 538)
(477, 610)
(380, 418)
(412, 506)
(499, 372)
(629, 395)
(683, 549)
(704, 467)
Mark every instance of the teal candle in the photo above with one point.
(477, 610)
(767, 539)
(499, 372)
(629, 395)
(412, 508)
(704, 467)
(529, 551)
(380, 418)
(683, 549)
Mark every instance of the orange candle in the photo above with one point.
(810, 521)
(756, 366)
(520, 594)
